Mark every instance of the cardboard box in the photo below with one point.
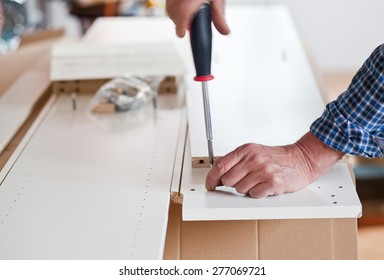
(302, 239)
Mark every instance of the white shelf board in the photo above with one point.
(89, 186)
(331, 196)
(116, 46)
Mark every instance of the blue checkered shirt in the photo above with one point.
(354, 123)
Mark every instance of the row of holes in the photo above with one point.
(147, 187)
(26, 181)
(332, 195)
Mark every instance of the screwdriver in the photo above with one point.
(201, 43)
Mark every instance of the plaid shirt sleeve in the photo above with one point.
(354, 123)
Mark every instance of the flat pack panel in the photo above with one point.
(331, 196)
(90, 186)
(263, 90)
(116, 46)
(86, 60)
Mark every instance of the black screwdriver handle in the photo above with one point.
(201, 43)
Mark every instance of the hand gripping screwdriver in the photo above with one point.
(201, 43)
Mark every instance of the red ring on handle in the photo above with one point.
(204, 78)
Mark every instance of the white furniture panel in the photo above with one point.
(91, 186)
(331, 196)
(116, 46)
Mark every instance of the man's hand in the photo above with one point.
(182, 11)
(261, 171)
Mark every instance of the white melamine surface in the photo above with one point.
(332, 196)
(116, 46)
(310, 203)
(263, 92)
(90, 186)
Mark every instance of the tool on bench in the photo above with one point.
(201, 43)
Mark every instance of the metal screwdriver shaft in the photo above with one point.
(208, 123)
(201, 43)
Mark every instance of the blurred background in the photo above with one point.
(19, 18)
(338, 36)
(341, 33)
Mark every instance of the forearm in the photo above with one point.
(354, 123)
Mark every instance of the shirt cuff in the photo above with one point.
(338, 133)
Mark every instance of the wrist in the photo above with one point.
(317, 156)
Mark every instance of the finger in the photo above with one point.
(248, 182)
(235, 174)
(222, 166)
(218, 17)
(263, 181)
(261, 190)
(181, 29)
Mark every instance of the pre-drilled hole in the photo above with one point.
(335, 202)
(340, 187)
(192, 190)
(201, 161)
(333, 195)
